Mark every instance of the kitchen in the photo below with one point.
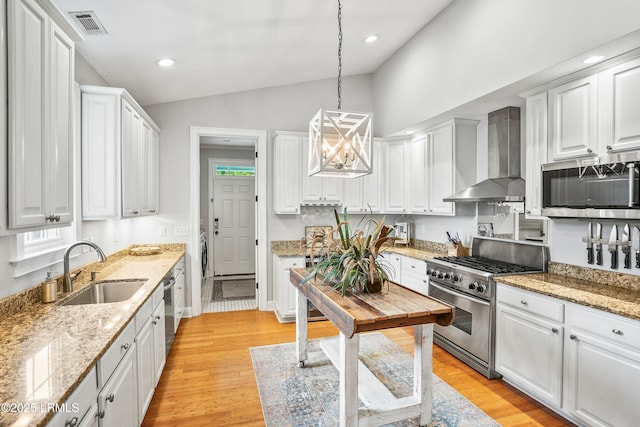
(405, 93)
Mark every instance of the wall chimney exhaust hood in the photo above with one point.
(504, 183)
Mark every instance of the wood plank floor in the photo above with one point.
(208, 379)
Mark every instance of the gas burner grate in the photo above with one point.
(487, 265)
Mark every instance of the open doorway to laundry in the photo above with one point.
(228, 223)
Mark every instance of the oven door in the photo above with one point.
(471, 326)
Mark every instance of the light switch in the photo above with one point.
(182, 230)
(162, 231)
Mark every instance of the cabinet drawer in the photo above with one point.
(144, 314)
(79, 403)
(107, 364)
(609, 326)
(531, 302)
(296, 262)
(412, 265)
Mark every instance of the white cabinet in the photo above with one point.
(40, 121)
(619, 103)
(573, 112)
(119, 156)
(396, 158)
(603, 368)
(365, 193)
(440, 166)
(118, 400)
(284, 294)
(414, 275)
(160, 352)
(80, 403)
(318, 190)
(287, 171)
(529, 339)
(394, 261)
(178, 306)
(536, 152)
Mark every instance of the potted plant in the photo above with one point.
(353, 261)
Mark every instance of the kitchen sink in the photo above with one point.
(106, 291)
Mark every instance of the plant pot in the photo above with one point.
(370, 288)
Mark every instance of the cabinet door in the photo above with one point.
(536, 152)
(27, 65)
(372, 184)
(130, 149)
(159, 344)
(440, 175)
(286, 293)
(352, 197)
(154, 149)
(332, 189)
(118, 400)
(59, 147)
(179, 304)
(573, 119)
(286, 174)
(619, 105)
(99, 156)
(529, 353)
(395, 160)
(414, 275)
(394, 261)
(311, 185)
(145, 367)
(418, 183)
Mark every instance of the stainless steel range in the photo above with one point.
(467, 283)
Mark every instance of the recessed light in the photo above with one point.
(593, 59)
(370, 38)
(165, 62)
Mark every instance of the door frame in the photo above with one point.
(210, 194)
(195, 133)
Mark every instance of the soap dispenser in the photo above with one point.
(49, 289)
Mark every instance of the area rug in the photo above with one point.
(293, 396)
(233, 289)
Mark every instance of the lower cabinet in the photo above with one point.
(414, 275)
(178, 307)
(581, 362)
(394, 261)
(118, 400)
(284, 294)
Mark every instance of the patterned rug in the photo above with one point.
(233, 289)
(293, 396)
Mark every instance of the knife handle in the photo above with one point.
(599, 256)
(614, 260)
(637, 260)
(590, 255)
(627, 260)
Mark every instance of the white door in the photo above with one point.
(233, 225)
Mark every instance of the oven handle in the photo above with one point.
(458, 294)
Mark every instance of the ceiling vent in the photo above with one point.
(89, 23)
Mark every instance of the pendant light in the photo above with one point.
(340, 141)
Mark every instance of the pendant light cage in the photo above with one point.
(340, 144)
(339, 141)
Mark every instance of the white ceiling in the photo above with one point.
(224, 46)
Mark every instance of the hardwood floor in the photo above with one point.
(208, 379)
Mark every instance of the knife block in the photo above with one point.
(457, 250)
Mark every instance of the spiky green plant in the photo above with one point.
(353, 261)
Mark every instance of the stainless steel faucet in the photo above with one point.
(67, 284)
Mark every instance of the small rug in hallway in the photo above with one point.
(233, 289)
(293, 396)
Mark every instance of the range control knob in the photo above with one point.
(473, 285)
(429, 271)
(481, 288)
(440, 275)
(457, 278)
(447, 276)
(434, 273)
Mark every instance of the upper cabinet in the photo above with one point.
(536, 152)
(119, 156)
(573, 119)
(287, 170)
(320, 190)
(364, 194)
(396, 154)
(439, 166)
(40, 121)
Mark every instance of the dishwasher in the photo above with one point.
(168, 283)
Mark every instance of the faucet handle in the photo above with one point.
(75, 275)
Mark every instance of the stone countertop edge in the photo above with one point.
(410, 251)
(63, 343)
(615, 299)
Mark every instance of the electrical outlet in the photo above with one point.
(181, 230)
(162, 231)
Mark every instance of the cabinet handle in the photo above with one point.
(609, 148)
(125, 346)
(155, 322)
(73, 422)
(101, 414)
(554, 330)
(617, 331)
(528, 212)
(111, 397)
(157, 317)
(573, 337)
(589, 150)
(523, 302)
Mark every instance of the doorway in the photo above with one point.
(228, 147)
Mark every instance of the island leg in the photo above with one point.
(302, 341)
(423, 370)
(349, 380)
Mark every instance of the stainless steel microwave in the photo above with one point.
(597, 187)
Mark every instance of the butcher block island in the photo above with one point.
(396, 306)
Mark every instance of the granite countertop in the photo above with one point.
(607, 291)
(59, 345)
